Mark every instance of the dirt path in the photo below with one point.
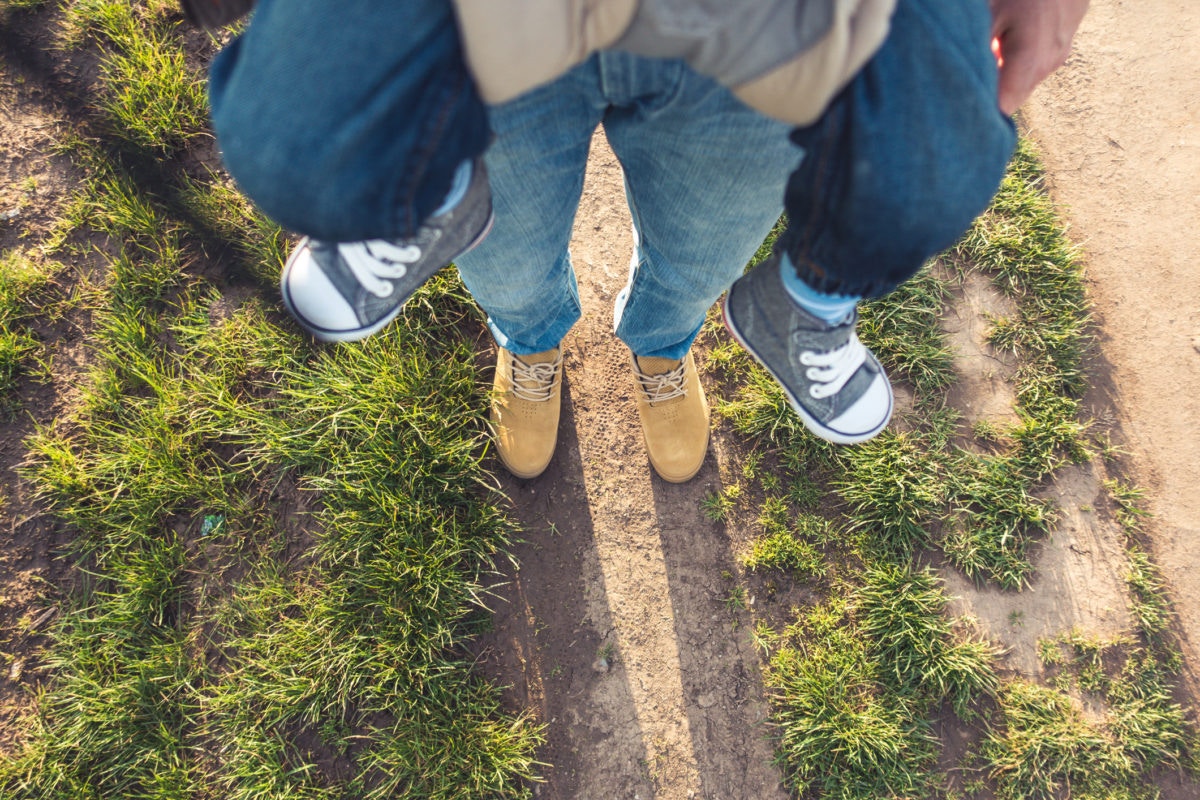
(615, 626)
(1119, 128)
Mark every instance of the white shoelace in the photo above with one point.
(666, 386)
(830, 371)
(376, 259)
(534, 382)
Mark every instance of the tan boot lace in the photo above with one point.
(535, 382)
(664, 386)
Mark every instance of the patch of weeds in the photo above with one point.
(1050, 652)
(718, 505)
(1128, 500)
(22, 282)
(840, 734)
(151, 95)
(901, 329)
(1020, 241)
(1141, 721)
(764, 637)
(781, 550)
(1148, 725)
(804, 492)
(1049, 434)
(735, 599)
(901, 611)
(1151, 607)
(989, 433)
(1046, 745)
(260, 244)
(783, 544)
(896, 489)
(993, 520)
(759, 409)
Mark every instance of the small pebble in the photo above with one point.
(600, 665)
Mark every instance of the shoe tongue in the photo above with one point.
(653, 365)
(544, 357)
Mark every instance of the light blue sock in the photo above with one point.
(458, 188)
(830, 307)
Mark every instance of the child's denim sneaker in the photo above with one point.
(346, 291)
(833, 382)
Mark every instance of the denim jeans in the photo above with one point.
(704, 179)
(345, 119)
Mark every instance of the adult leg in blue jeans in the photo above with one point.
(704, 179)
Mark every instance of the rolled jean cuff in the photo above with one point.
(906, 156)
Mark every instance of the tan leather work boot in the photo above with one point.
(526, 398)
(674, 415)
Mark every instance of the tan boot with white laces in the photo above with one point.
(674, 414)
(526, 400)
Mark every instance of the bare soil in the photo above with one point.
(1119, 127)
(616, 628)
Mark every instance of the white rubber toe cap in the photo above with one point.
(312, 298)
(869, 414)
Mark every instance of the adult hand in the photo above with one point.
(1032, 39)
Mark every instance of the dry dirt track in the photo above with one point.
(1119, 130)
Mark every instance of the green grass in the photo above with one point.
(839, 734)
(151, 96)
(857, 678)
(311, 644)
(283, 550)
(23, 285)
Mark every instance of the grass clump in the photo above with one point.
(1046, 747)
(1020, 241)
(839, 734)
(896, 489)
(150, 94)
(855, 679)
(902, 330)
(22, 281)
(902, 612)
(1151, 607)
(994, 520)
(786, 543)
